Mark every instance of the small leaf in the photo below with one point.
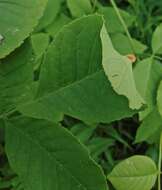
(147, 74)
(50, 13)
(151, 126)
(136, 172)
(53, 157)
(118, 69)
(17, 20)
(156, 40)
(57, 24)
(40, 42)
(80, 7)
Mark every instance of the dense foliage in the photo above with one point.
(80, 94)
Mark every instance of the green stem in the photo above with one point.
(94, 5)
(159, 164)
(123, 24)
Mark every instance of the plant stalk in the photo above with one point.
(159, 164)
(123, 24)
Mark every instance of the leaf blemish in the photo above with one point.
(1, 39)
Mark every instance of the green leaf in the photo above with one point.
(50, 13)
(52, 156)
(17, 20)
(156, 40)
(151, 127)
(122, 44)
(57, 24)
(16, 76)
(82, 131)
(80, 7)
(112, 22)
(118, 69)
(148, 75)
(72, 80)
(40, 42)
(98, 145)
(136, 172)
(159, 98)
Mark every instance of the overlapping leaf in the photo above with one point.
(118, 69)
(16, 76)
(72, 80)
(17, 20)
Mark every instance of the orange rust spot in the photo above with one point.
(131, 57)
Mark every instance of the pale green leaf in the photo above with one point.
(46, 156)
(118, 69)
(136, 172)
(156, 40)
(17, 20)
(80, 7)
(72, 80)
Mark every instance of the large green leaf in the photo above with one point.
(156, 40)
(17, 20)
(118, 69)
(72, 81)
(47, 156)
(150, 128)
(147, 75)
(80, 7)
(16, 76)
(137, 172)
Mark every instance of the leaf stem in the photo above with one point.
(123, 24)
(94, 5)
(159, 164)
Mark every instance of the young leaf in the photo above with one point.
(17, 20)
(72, 81)
(156, 40)
(136, 172)
(150, 126)
(118, 69)
(52, 156)
(147, 75)
(80, 7)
